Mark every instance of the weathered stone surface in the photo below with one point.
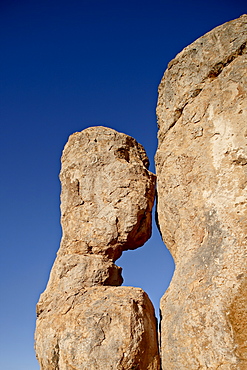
(100, 328)
(107, 193)
(85, 321)
(73, 272)
(202, 176)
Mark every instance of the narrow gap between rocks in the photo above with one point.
(149, 267)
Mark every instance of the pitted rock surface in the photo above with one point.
(84, 319)
(202, 201)
(107, 193)
(100, 328)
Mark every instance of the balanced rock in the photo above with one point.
(202, 201)
(85, 320)
(107, 193)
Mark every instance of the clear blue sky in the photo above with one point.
(67, 65)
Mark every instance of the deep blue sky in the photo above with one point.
(67, 65)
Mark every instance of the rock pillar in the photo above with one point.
(86, 321)
(202, 210)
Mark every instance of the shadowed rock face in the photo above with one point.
(85, 320)
(202, 212)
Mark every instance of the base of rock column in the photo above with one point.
(99, 328)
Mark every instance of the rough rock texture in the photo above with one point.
(107, 193)
(202, 211)
(85, 320)
(99, 328)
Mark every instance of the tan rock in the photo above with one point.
(84, 320)
(202, 176)
(74, 273)
(100, 328)
(107, 193)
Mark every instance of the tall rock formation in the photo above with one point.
(202, 201)
(86, 321)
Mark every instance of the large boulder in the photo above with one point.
(107, 193)
(202, 201)
(98, 328)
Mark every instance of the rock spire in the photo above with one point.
(86, 321)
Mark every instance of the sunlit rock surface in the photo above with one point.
(202, 212)
(85, 321)
(107, 193)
